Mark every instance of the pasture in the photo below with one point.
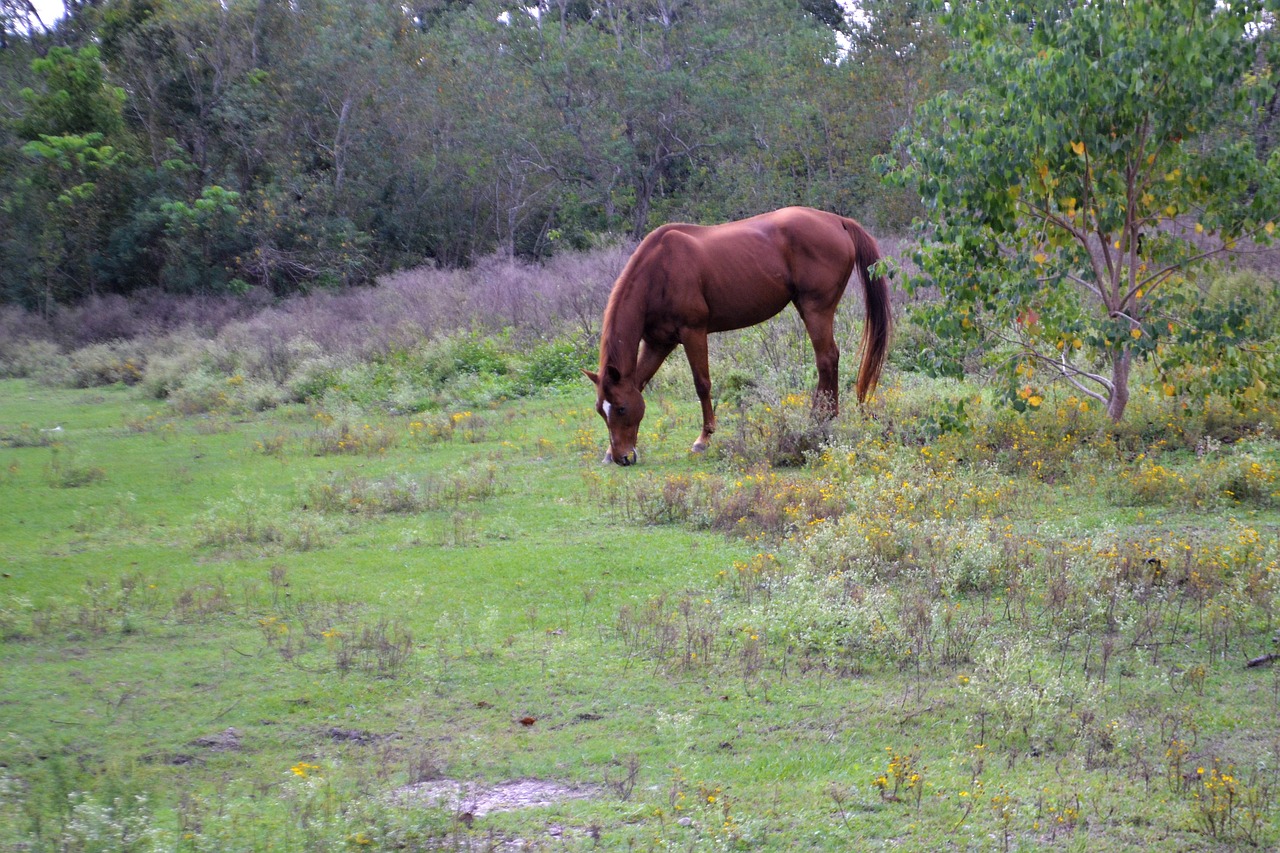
(336, 625)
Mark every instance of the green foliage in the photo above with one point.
(200, 242)
(1226, 347)
(75, 98)
(556, 363)
(68, 192)
(1063, 187)
(361, 138)
(259, 520)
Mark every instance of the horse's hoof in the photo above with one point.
(698, 447)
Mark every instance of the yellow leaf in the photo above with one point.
(1169, 390)
(1077, 343)
(1135, 333)
(1270, 228)
(1034, 401)
(1078, 148)
(1199, 228)
(1040, 258)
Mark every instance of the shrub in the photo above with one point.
(67, 471)
(555, 363)
(312, 378)
(401, 493)
(201, 392)
(173, 360)
(35, 359)
(1249, 479)
(106, 364)
(259, 519)
(1243, 478)
(782, 432)
(1149, 482)
(342, 436)
(26, 435)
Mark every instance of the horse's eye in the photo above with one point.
(622, 411)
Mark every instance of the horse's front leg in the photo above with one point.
(695, 348)
(650, 359)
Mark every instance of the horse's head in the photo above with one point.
(619, 402)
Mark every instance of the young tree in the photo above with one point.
(1074, 186)
(71, 175)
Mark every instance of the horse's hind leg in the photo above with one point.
(821, 327)
(695, 348)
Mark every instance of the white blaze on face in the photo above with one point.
(607, 409)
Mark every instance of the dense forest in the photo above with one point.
(206, 147)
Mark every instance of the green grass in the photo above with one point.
(886, 680)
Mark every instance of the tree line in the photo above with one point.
(200, 146)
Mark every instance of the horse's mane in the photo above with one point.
(609, 343)
(618, 346)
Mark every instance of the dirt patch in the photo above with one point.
(227, 740)
(472, 800)
(340, 735)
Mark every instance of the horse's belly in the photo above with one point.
(741, 321)
(737, 308)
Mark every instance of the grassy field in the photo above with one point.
(321, 628)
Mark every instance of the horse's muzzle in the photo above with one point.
(625, 460)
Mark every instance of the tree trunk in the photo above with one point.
(1121, 361)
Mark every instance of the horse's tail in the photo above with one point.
(879, 322)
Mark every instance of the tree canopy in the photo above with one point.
(205, 146)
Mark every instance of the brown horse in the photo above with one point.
(684, 281)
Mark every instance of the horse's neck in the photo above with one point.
(622, 345)
(624, 327)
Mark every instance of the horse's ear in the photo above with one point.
(594, 377)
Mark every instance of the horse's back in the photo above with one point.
(740, 273)
(808, 250)
(743, 274)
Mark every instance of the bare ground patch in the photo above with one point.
(472, 800)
